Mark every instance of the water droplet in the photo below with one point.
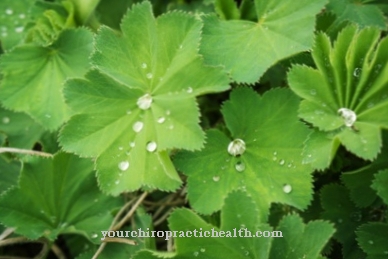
(120, 148)
(4, 34)
(196, 254)
(117, 182)
(9, 11)
(94, 235)
(124, 165)
(180, 46)
(6, 120)
(357, 72)
(171, 127)
(216, 178)
(240, 166)
(144, 65)
(161, 120)
(144, 102)
(132, 144)
(281, 162)
(168, 112)
(238, 215)
(22, 16)
(203, 250)
(129, 112)
(189, 90)
(370, 242)
(236, 147)
(287, 188)
(19, 29)
(151, 146)
(149, 75)
(348, 115)
(246, 253)
(137, 126)
(313, 92)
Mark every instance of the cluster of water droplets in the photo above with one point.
(348, 116)
(17, 19)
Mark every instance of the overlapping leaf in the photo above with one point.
(13, 20)
(380, 184)
(270, 169)
(141, 102)
(240, 213)
(247, 49)
(372, 238)
(9, 174)
(346, 96)
(33, 76)
(364, 12)
(55, 196)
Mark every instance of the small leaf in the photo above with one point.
(346, 95)
(33, 76)
(57, 196)
(248, 49)
(372, 238)
(140, 103)
(269, 167)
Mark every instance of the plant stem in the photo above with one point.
(24, 151)
(84, 9)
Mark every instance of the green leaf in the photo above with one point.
(20, 129)
(240, 213)
(360, 12)
(57, 196)
(343, 213)
(13, 20)
(33, 76)
(372, 238)
(142, 101)
(270, 169)
(380, 184)
(227, 9)
(346, 94)
(9, 173)
(248, 49)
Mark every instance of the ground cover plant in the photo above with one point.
(179, 115)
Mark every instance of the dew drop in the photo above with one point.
(137, 126)
(171, 127)
(132, 144)
(236, 147)
(9, 11)
(4, 34)
(348, 115)
(151, 146)
(144, 65)
(246, 253)
(370, 242)
(121, 148)
(149, 75)
(189, 90)
(124, 165)
(281, 162)
(216, 178)
(203, 250)
(144, 102)
(196, 254)
(357, 72)
(117, 182)
(19, 29)
(22, 16)
(287, 188)
(180, 46)
(168, 112)
(6, 120)
(313, 92)
(94, 235)
(240, 166)
(129, 112)
(161, 120)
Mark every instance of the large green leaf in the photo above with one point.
(380, 184)
(346, 96)
(372, 238)
(240, 214)
(266, 159)
(57, 196)
(33, 76)
(247, 49)
(363, 12)
(141, 102)
(14, 17)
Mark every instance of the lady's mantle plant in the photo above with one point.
(262, 114)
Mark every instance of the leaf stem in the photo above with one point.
(130, 212)
(6, 233)
(24, 151)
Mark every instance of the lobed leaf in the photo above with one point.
(346, 94)
(140, 103)
(247, 49)
(57, 196)
(380, 184)
(33, 76)
(270, 169)
(372, 238)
